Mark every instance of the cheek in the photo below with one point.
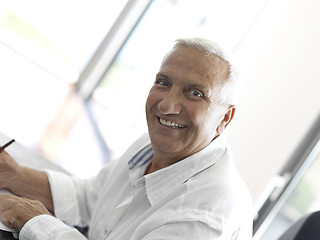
(197, 117)
(198, 114)
(203, 120)
(152, 99)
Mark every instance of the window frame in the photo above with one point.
(111, 45)
(283, 184)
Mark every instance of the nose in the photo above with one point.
(171, 103)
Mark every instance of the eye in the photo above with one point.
(162, 82)
(196, 93)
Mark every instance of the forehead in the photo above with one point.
(194, 65)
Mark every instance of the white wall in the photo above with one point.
(281, 98)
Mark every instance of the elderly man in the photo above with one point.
(177, 182)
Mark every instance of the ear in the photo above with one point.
(226, 119)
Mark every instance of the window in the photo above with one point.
(60, 36)
(44, 47)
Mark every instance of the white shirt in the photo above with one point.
(200, 197)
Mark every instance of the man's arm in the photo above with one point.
(55, 230)
(24, 182)
(32, 184)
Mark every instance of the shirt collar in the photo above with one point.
(160, 182)
(139, 162)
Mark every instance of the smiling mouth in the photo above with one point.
(170, 124)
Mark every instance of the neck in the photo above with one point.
(160, 161)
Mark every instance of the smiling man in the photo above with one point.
(184, 110)
(177, 182)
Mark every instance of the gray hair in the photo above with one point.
(227, 89)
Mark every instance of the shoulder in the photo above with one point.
(221, 193)
(221, 185)
(216, 198)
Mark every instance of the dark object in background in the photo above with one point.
(4, 235)
(306, 228)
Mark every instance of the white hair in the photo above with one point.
(227, 89)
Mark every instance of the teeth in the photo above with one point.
(171, 124)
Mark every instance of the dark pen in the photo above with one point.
(6, 145)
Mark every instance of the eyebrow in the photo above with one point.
(159, 74)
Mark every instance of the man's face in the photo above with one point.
(181, 109)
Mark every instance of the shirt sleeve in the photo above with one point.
(72, 199)
(45, 227)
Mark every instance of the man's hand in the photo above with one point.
(9, 170)
(16, 211)
(24, 181)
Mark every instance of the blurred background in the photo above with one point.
(74, 77)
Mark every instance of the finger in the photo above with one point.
(9, 220)
(4, 152)
(16, 211)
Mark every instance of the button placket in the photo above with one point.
(106, 233)
(115, 215)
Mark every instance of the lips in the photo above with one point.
(170, 124)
